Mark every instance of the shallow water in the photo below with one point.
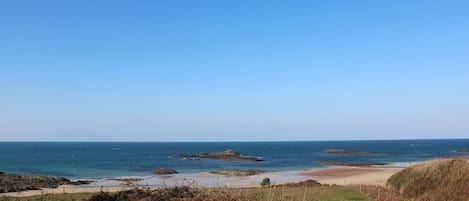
(80, 160)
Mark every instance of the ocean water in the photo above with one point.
(95, 160)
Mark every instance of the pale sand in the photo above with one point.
(353, 175)
(333, 175)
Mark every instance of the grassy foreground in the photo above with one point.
(319, 193)
(433, 181)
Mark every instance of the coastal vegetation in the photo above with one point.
(308, 182)
(430, 181)
(184, 193)
(435, 180)
(265, 182)
(15, 182)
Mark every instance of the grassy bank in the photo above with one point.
(319, 193)
(435, 180)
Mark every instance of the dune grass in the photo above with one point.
(435, 180)
(320, 193)
(380, 193)
(302, 193)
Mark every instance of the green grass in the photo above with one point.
(322, 193)
(51, 197)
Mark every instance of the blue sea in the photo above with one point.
(95, 160)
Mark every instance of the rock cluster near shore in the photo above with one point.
(229, 155)
(237, 173)
(164, 171)
(15, 183)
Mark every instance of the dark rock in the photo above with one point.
(228, 152)
(365, 164)
(237, 173)
(163, 171)
(229, 155)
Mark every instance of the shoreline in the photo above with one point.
(331, 175)
(149, 175)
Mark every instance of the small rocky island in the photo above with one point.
(164, 171)
(16, 183)
(228, 155)
(237, 173)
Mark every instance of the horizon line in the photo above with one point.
(230, 141)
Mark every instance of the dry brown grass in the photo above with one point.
(379, 193)
(183, 193)
(433, 181)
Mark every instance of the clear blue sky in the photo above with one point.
(233, 70)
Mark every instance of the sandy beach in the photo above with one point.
(332, 175)
(353, 175)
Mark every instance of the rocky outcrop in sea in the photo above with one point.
(229, 155)
(237, 173)
(164, 171)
